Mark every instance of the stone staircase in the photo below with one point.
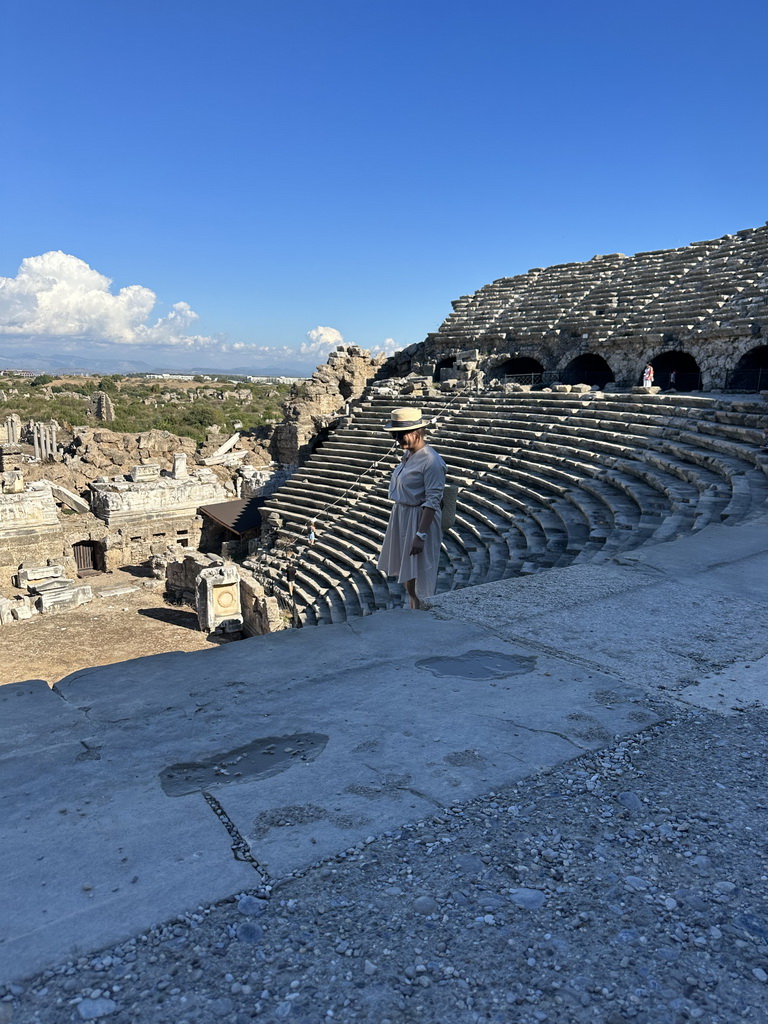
(546, 480)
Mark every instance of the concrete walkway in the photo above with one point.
(141, 790)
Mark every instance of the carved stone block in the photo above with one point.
(217, 594)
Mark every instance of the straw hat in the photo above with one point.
(407, 418)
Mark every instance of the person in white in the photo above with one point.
(411, 548)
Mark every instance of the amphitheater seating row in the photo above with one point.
(545, 480)
(700, 284)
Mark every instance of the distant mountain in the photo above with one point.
(56, 364)
(248, 371)
(84, 363)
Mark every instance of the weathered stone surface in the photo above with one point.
(30, 573)
(101, 407)
(68, 498)
(705, 303)
(22, 608)
(261, 612)
(33, 507)
(63, 599)
(180, 471)
(319, 402)
(253, 482)
(147, 471)
(49, 586)
(181, 574)
(12, 482)
(218, 599)
(124, 500)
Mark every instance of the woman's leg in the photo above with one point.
(410, 589)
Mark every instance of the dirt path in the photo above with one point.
(115, 627)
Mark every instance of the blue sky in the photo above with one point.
(266, 178)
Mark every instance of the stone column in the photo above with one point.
(36, 440)
(13, 428)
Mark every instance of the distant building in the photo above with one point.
(169, 376)
(274, 380)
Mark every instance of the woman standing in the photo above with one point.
(411, 549)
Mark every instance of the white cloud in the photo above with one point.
(321, 341)
(388, 348)
(57, 301)
(59, 297)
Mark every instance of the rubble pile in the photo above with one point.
(317, 405)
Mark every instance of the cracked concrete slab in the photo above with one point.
(100, 851)
(664, 620)
(531, 672)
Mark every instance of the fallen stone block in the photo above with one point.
(147, 471)
(69, 498)
(22, 608)
(62, 600)
(47, 586)
(30, 573)
(6, 613)
(116, 591)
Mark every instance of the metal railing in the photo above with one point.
(747, 380)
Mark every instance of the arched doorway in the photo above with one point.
(518, 370)
(676, 370)
(588, 368)
(751, 371)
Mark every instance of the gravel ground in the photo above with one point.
(629, 884)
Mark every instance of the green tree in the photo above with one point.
(41, 379)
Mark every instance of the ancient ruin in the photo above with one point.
(699, 312)
(316, 408)
(558, 453)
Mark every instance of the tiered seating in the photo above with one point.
(699, 286)
(546, 480)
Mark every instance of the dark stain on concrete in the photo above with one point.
(256, 760)
(480, 665)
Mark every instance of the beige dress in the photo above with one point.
(417, 482)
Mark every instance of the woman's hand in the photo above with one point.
(417, 547)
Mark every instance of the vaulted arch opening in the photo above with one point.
(588, 368)
(751, 371)
(443, 364)
(675, 370)
(518, 370)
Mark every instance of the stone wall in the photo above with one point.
(316, 405)
(155, 496)
(52, 541)
(708, 300)
(261, 612)
(137, 542)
